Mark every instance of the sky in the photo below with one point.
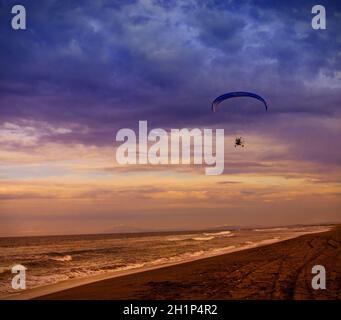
(83, 70)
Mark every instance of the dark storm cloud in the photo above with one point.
(107, 64)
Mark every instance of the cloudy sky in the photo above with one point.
(82, 70)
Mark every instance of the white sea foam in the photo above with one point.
(61, 258)
(222, 233)
(130, 266)
(266, 241)
(203, 238)
(270, 229)
(249, 242)
(179, 238)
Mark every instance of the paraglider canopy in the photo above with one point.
(236, 94)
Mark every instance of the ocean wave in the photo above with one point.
(270, 229)
(130, 266)
(160, 261)
(221, 233)
(249, 242)
(193, 254)
(4, 269)
(178, 258)
(62, 258)
(179, 238)
(202, 238)
(266, 241)
(222, 250)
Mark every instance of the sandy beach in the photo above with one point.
(275, 271)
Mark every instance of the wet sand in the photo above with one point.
(276, 271)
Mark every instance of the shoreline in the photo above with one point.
(279, 271)
(36, 293)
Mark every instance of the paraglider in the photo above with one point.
(239, 140)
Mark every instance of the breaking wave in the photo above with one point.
(219, 234)
(270, 229)
(202, 238)
(63, 258)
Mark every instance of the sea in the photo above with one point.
(53, 259)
